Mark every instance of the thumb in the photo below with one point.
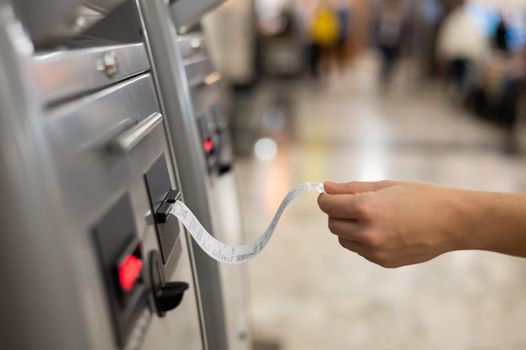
(356, 187)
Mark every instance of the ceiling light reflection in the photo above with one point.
(265, 149)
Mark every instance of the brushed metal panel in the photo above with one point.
(92, 176)
(68, 73)
(51, 20)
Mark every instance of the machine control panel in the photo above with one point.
(209, 141)
(121, 260)
(215, 140)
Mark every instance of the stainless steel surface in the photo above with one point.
(50, 21)
(63, 74)
(59, 177)
(205, 96)
(168, 66)
(207, 102)
(197, 67)
(93, 178)
(182, 68)
(34, 227)
(190, 45)
(109, 64)
(205, 99)
(187, 12)
(197, 63)
(126, 141)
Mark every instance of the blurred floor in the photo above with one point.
(307, 293)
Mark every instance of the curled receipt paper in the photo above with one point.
(236, 254)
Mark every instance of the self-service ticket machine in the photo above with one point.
(89, 260)
(190, 93)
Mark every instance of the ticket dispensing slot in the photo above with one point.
(162, 195)
(122, 260)
(167, 294)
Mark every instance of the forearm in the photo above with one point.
(492, 221)
(396, 223)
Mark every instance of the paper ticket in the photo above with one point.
(236, 254)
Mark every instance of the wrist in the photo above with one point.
(490, 221)
(469, 219)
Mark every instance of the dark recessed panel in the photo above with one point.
(121, 261)
(160, 192)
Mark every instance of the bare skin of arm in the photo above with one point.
(395, 223)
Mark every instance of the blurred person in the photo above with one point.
(393, 223)
(461, 46)
(500, 41)
(324, 31)
(502, 76)
(494, 70)
(305, 11)
(429, 16)
(343, 10)
(391, 22)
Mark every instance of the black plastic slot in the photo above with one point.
(161, 195)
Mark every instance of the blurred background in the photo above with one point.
(420, 90)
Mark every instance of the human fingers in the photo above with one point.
(346, 229)
(356, 187)
(340, 206)
(374, 256)
(354, 246)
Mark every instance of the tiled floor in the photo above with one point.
(307, 293)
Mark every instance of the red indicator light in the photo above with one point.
(129, 270)
(208, 145)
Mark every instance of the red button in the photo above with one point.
(129, 270)
(208, 145)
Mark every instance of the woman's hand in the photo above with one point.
(395, 223)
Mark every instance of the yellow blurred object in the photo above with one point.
(325, 27)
